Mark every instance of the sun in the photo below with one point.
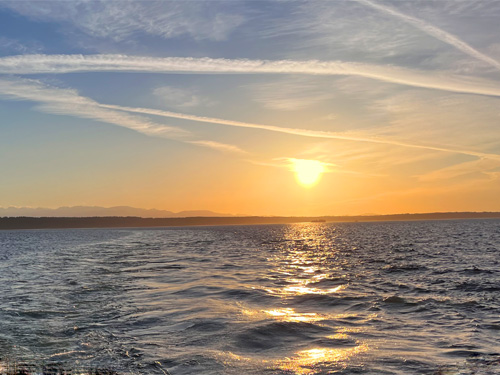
(307, 172)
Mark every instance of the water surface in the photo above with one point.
(312, 298)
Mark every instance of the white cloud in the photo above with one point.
(288, 164)
(69, 102)
(340, 28)
(16, 46)
(290, 95)
(351, 136)
(219, 146)
(120, 20)
(471, 122)
(33, 64)
(180, 98)
(484, 166)
(330, 117)
(435, 32)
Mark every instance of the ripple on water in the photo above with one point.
(314, 298)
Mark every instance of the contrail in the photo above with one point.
(57, 64)
(294, 131)
(69, 102)
(435, 32)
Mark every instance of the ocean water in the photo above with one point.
(311, 298)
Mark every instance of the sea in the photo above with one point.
(398, 298)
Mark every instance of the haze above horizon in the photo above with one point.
(262, 108)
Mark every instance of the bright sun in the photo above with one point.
(307, 172)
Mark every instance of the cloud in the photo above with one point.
(14, 45)
(471, 122)
(300, 132)
(288, 163)
(180, 98)
(483, 166)
(120, 20)
(36, 64)
(292, 163)
(219, 146)
(330, 117)
(290, 95)
(69, 102)
(332, 29)
(435, 32)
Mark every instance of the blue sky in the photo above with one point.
(183, 105)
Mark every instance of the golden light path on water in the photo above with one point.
(300, 267)
(303, 362)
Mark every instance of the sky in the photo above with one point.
(251, 107)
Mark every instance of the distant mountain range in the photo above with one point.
(93, 211)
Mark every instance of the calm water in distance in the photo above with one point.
(312, 298)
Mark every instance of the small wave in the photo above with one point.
(24, 368)
(392, 268)
(475, 271)
(473, 286)
(325, 300)
(278, 334)
(479, 365)
(462, 353)
(208, 325)
(40, 314)
(329, 282)
(395, 300)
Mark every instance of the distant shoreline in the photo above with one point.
(7, 223)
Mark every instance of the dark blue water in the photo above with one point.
(312, 298)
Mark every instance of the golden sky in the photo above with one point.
(258, 108)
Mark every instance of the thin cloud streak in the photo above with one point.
(57, 64)
(219, 146)
(435, 32)
(68, 102)
(284, 163)
(298, 132)
(123, 20)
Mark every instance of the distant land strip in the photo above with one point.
(141, 222)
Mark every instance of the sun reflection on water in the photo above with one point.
(304, 289)
(304, 266)
(290, 315)
(303, 262)
(305, 362)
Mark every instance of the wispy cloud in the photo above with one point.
(291, 94)
(35, 64)
(299, 132)
(436, 32)
(339, 29)
(482, 166)
(120, 20)
(219, 146)
(288, 164)
(470, 122)
(16, 46)
(69, 102)
(180, 97)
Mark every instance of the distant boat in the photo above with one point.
(318, 221)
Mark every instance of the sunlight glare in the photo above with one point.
(305, 361)
(307, 172)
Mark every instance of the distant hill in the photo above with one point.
(130, 221)
(94, 211)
